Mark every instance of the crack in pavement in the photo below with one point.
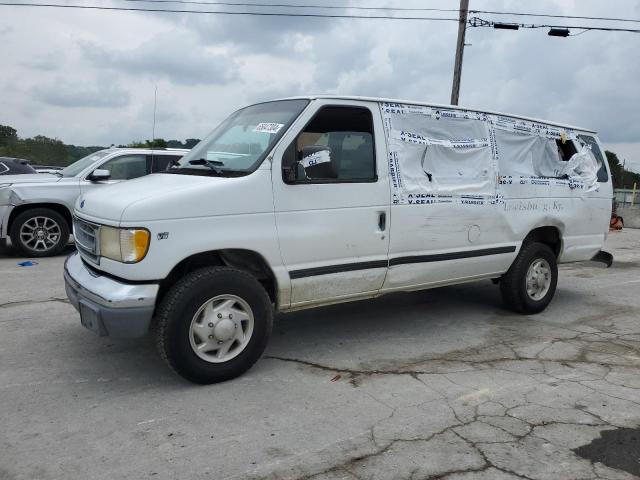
(595, 357)
(21, 303)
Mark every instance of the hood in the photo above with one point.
(29, 178)
(167, 196)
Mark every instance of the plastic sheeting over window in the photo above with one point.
(441, 155)
(591, 143)
(584, 166)
(527, 155)
(438, 152)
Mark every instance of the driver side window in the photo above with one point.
(336, 146)
(126, 167)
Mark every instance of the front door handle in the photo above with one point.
(382, 221)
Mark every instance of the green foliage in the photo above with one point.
(162, 143)
(622, 178)
(41, 150)
(191, 142)
(155, 143)
(188, 143)
(8, 135)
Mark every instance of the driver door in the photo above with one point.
(332, 215)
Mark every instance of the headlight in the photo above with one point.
(128, 245)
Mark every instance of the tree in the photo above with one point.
(174, 144)
(8, 135)
(622, 178)
(191, 142)
(188, 143)
(156, 143)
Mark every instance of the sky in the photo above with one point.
(89, 77)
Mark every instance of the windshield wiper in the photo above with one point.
(56, 172)
(212, 164)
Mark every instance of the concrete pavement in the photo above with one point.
(438, 384)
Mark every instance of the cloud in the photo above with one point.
(257, 35)
(174, 55)
(99, 93)
(206, 66)
(46, 63)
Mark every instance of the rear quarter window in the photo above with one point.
(603, 176)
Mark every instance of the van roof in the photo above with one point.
(437, 105)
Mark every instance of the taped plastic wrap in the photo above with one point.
(439, 152)
(441, 155)
(584, 166)
(527, 155)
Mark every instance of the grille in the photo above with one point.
(86, 237)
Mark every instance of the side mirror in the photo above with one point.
(99, 174)
(318, 162)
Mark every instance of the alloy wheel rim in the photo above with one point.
(538, 280)
(221, 328)
(40, 233)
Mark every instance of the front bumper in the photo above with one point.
(108, 306)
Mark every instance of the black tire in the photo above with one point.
(28, 250)
(513, 284)
(183, 301)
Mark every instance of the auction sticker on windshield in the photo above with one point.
(268, 127)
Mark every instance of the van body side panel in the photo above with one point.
(447, 228)
(445, 221)
(581, 217)
(330, 238)
(434, 243)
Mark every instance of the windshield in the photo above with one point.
(79, 165)
(242, 141)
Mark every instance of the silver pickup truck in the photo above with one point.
(35, 209)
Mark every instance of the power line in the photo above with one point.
(480, 22)
(522, 14)
(357, 7)
(224, 12)
(473, 22)
(291, 5)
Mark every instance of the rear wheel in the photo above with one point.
(214, 324)
(39, 232)
(530, 283)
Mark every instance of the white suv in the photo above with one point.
(303, 202)
(35, 210)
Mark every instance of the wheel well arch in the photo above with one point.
(242, 259)
(548, 235)
(57, 207)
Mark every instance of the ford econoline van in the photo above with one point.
(303, 202)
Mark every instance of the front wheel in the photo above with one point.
(530, 283)
(214, 324)
(39, 232)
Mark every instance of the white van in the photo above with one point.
(303, 202)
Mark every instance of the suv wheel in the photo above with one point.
(39, 232)
(530, 283)
(214, 324)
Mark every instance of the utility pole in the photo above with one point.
(457, 69)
